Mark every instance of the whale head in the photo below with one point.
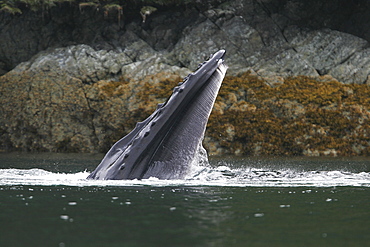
(166, 143)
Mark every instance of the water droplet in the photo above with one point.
(64, 217)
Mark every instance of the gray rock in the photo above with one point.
(23, 36)
(325, 49)
(240, 40)
(135, 48)
(355, 69)
(287, 63)
(153, 65)
(81, 62)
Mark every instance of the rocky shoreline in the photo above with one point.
(290, 89)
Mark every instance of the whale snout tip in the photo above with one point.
(220, 58)
(220, 54)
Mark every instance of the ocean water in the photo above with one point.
(46, 200)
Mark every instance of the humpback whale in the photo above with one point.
(169, 141)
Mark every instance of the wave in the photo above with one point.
(199, 176)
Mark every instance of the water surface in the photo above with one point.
(46, 201)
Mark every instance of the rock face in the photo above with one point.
(303, 116)
(79, 90)
(256, 29)
(60, 100)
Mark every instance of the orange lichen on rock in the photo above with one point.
(303, 116)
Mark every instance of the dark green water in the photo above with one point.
(44, 207)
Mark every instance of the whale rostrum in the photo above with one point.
(169, 141)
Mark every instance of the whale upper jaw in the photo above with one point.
(166, 143)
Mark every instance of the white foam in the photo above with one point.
(199, 176)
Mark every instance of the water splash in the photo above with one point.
(200, 176)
